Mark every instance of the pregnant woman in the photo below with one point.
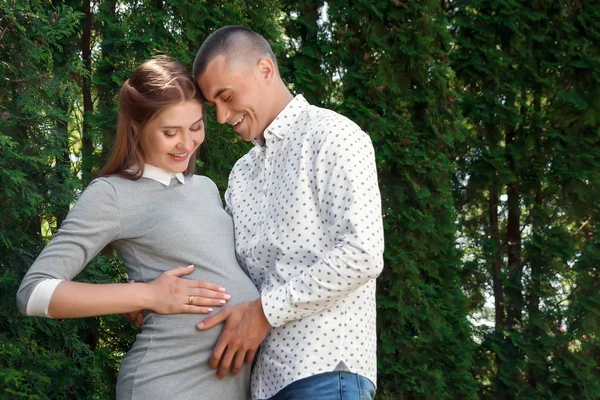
(149, 207)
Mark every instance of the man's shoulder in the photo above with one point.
(324, 115)
(328, 121)
(323, 125)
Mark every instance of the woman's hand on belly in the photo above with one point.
(171, 294)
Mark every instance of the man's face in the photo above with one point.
(239, 92)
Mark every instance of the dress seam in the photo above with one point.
(149, 324)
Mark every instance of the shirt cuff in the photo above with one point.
(277, 307)
(39, 301)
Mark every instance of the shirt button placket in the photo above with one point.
(267, 180)
(263, 206)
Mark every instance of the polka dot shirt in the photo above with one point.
(308, 230)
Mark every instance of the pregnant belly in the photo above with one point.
(169, 360)
(171, 341)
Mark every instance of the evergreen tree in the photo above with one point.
(393, 59)
(531, 130)
(38, 358)
(305, 66)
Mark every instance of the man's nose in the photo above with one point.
(222, 114)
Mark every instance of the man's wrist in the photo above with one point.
(275, 308)
(260, 310)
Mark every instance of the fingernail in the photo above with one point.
(190, 266)
(200, 325)
(209, 309)
(221, 289)
(227, 297)
(222, 301)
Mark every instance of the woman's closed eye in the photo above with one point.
(170, 132)
(196, 127)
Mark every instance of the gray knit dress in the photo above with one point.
(155, 228)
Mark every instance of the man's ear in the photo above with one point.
(266, 70)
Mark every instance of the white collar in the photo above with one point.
(283, 122)
(160, 175)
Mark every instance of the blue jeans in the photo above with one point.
(329, 386)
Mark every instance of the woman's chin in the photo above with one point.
(176, 166)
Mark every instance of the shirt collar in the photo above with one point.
(160, 175)
(286, 119)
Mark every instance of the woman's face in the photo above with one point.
(170, 138)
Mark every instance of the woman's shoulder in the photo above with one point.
(201, 180)
(117, 181)
(114, 186)
(203, 183)
(114, 179)
(100, 185)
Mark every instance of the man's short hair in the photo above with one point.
(232, 41)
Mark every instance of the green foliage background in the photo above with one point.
(485, 120)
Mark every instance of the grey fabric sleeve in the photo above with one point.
(92, 223)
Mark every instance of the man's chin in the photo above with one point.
(248, 137)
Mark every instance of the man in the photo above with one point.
(308, 229)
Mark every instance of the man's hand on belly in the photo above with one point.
(245, 328)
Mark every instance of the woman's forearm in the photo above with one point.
(167, 294)
(76, 299)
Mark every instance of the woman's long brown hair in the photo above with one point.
(155, 85)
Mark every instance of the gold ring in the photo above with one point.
(191, 300)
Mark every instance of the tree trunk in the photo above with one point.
(107, 89)
(496, 265)
(513, 227)
(513, 287)
(87, 144)
(537, 259)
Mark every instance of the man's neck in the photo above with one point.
(282, 98)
